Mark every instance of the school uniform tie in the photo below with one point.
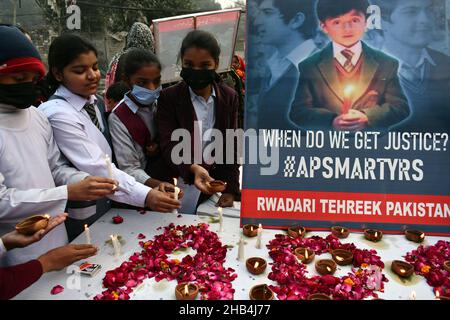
(348, 54)
(90, 109)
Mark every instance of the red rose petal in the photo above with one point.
(117, 219)
(57, 289)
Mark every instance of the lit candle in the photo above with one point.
(438, 295)
(328, 269)
(186, 290)
(241, 249)
(402, 270)
(47, 216)
(220, 219)
(87, 233)
(339, 258)
(376, 235)
(176, 193)
(258, 240)
(347, 104)
(306, 254)
(256, 264)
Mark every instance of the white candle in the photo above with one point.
(87, 232)
(258, 240)
(109, 166)
(240, 256)
(116, 245)
(220, 219)
(176, 193)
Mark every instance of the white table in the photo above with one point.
(392, 247)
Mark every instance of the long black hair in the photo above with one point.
(63, 50)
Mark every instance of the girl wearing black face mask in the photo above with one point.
(201, 103)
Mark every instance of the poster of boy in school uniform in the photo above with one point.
(348, 85)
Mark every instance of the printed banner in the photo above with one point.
(348, 115)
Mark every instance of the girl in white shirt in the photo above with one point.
(78, 124)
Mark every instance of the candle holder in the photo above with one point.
(296, 231)
(261, 292)
(326, 266)
(340, 232)
(305, 255)
(256, 265)
(414, 235)
(318, 296)
(402, 268)
(342, 257)
(216, 186)
(33, 224)
(250, 230)
(447, 265)
(186, 291)
(373, 235)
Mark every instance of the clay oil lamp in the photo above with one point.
(340, 232)
(216, 186)
(305, 255)
(256, 265)
(32, 224)
(373, 235)
(402, 268)
(318, 296)
(186, 291)
(342, 257)
(296, 231)
(326, 266)
(414, 235)
(447, 265)
(261, 292)
(250, 230)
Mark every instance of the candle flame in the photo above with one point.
(376, 234)
(339, 258)
(413, 295)
(402, 270)
(342, 230)
(348, 90)
(438, 295)
(47, 216)
(256, 264)
(422, 235)
(86, 227)
(306, 254)
(329, 269)
(112, 237)
(175, 181)
(260, 226)
(251, 229)
(220, 209)
(186, 289)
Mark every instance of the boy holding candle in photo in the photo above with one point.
(348, 85)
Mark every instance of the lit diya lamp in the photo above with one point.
(256, 265)
(32, 224)
(305, 255)
(402, 269)
(250, 230)
(261, 292)
(439, 296)
(373, 235)
(342, 257)
(414, 235)
(340, 232)
(186, 291)
(447, 265)
(216, 186)
(326, 266)
(296, 231)
(318, 296)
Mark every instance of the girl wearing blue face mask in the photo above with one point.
(132, 126)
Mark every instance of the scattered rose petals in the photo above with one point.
(205, 268)
(57, 289)
(179, 216)
(141, 236)
(117, 219)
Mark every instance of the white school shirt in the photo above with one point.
(33, 178)
(85, 146)
(356, 49)
(130, 156)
